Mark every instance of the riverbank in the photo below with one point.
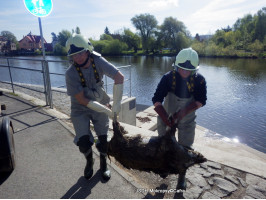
(241, 54)
(208, 180)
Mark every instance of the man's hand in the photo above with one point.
(163, 114)
(178, 116)
(96, 106)
(117, 98)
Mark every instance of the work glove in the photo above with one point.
(179, 115)
(163, 114)
(96, 106)
(117, 98)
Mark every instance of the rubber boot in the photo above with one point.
(102, 147)
(182, 183)
(106, 173)
(88, 171)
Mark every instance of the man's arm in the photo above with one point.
(119, 78)
(94, 105)
(81, 98)
(117, 92)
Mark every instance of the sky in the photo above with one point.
(92, 17)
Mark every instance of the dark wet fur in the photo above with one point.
(161, 155)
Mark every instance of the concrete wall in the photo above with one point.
(128, 111)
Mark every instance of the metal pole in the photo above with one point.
(43, 49)
(49, 85)
(10, 75)
(46, 71)
(130, 81)
(44, 83)
(106, 84)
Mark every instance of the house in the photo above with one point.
(6, 45)
(33, 42)
(202, 38)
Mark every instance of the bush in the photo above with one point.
(99, 45)
(60, 50)
(212, 49)
(256, 47)
(199, 47)
(111, 47)
(115, 47)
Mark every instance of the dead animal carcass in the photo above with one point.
(161, 155)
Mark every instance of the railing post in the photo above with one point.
(49, 88)
(106, 83)
(44, 82)
(10, 75)
(130, 81)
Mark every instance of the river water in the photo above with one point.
(236, 91)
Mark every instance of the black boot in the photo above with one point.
(182, 183)
(102, 147)
(88, 171)
(106, 173)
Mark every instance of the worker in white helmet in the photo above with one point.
(183, 91)
(89, 101)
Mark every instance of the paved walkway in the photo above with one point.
(50, 166)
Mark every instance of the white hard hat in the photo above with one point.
(78, 43)
(187, 59)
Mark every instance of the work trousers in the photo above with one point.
(186, 126)
(81, 121)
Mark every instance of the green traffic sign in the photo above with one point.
(39, 8)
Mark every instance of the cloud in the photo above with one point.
(219, 14)
(164, 3)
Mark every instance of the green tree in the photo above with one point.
(77, 31)
(146, 24)
(131, 39)
(256, 47)
(63, 36)
(114, 47)
(199, 47)
(246, 26)
(106, 31)
(59, 50)
(106, 37)
(108, 45)
(260, 27)
(10, 36)
(171, 29)
(182, 41)
(54, 36)
(99, 45)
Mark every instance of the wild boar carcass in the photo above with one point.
(162, 155)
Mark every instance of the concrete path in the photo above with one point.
(48, 164)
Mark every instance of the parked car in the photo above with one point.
(7, 145)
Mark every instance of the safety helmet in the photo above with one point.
(187, 59)
(78, 43)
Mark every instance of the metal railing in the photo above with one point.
(46, 77)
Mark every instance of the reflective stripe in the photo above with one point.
(82, 79)
(190, 83)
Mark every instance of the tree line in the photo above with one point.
(150, 38)
(246, 38)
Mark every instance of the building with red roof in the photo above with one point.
(33, 42)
